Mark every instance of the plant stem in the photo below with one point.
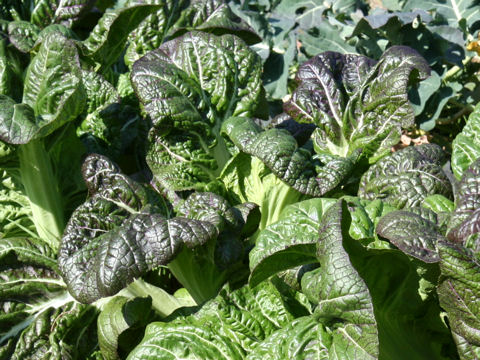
(454, 70)
(42, 190)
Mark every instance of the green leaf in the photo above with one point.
(277, 69)
(312, 13)
(228, 327)
(247, 179)
(120, 324)
(214, 16)
(406, 177)
(22, 35)
(15, 213)
(154, 29)
(53, 93)
(8, 78)
(189, 87)
(416, 233)
(344, 301)
(303, 338)
(279, 151)
(459, 294)
(108, 38)
(64, 12)
(328, 38)
(289, 242)
(438, 204)
(466, 145)
(65, 331)
(452, 11)
(28, 251)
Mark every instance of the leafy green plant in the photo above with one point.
(228, 179)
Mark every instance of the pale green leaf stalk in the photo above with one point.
(43, 192)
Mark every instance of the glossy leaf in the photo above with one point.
(458, 294)
(344, 299)
(406, 177)
(281, 154)
(189, 87)
(53, 93)
(355, 102)
(228, 327)
(64, 12)
(415, 232)
(465, 219)
(108, 39)
(466, 145)
(116, 236)
(122, 316)
(289, 242)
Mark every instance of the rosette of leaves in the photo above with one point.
(358, 106)
(406, 177)
(189, 87)
(124, 230)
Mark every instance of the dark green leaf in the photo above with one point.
(416, 234)
(189, 87)
(406, 177)
(108, 39)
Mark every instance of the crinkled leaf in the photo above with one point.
(8, 79)
(214, 16)
(345, 304)
(303, 338)
(415, 233)
(289, 242)
(465, 219)
(154, 29)
(466, 146)
(189, 87)
(27, 251)
(108, 38)
(15, 213)
(406, 177)
(22, 35)
(116, 236)
(110, 126)
(365, 217)
(227, 327)
(53, 93)
(459, 293)
(355, 102)
(204, 270)
(64, 12)
(247, 179)
(65, 332)
(279, 151)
